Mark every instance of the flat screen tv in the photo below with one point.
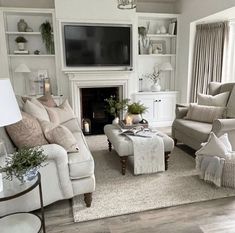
(97, 45)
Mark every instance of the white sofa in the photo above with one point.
(65, 176)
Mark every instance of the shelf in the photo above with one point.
(161, 36)
(31, 55)
(23, 33)
(157, 55)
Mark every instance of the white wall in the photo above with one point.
(27, 3)
(192, 10)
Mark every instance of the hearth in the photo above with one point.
(93, 108)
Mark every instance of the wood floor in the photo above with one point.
(217, 216)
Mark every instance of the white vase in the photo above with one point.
(21, 46)
(156, 87)
(115, 121)
(163, 29)
(136, 118)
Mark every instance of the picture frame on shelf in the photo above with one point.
(159, 46)
(42, 74)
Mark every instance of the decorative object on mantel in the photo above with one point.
(22, 25)
(155, 76)
(11, 112)
(126, 4)
(47, 36)
(24, 164)
(114, 107)
(20, 40)
(135, 111)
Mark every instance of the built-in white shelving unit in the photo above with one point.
(34, 17)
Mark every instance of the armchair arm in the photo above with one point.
(180, 112)
(221, 126)
(59, 156)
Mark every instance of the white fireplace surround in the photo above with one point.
(95, 80)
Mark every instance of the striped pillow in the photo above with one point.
(204, 113)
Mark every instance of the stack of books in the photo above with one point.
(21, 52)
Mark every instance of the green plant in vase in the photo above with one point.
(24, 164)
(115, 106)
(47, 36)
(135, 110)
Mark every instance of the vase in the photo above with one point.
(156, 87)
(30, 175)
(22, 25)
(115, 121)
(21, 46)
(136, 118)
(163, 29)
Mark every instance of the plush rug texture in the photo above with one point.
(117, 195)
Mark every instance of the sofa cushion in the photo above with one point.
(61, 114)
(72, 125)
(81, 164)
(27, 132)
(204, 113)
(47, 100)
(193, 129)
(219, 100)
(59, 134)
(226, 87)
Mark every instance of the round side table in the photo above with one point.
(23, 221)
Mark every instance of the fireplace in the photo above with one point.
(93, 107)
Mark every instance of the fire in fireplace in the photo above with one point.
(93, 113)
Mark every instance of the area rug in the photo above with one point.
(117, 195)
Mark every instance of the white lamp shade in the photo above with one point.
(166, 67)
(22, 68)
(10, 112)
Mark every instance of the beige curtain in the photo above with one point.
(208, 57)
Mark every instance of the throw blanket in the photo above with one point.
(210, 168)
(148, 154)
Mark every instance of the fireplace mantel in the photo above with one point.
(80, 80)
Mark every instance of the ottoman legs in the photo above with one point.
(123, 160)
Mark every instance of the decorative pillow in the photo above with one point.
(214, 88)
(224, 139)
(61, 114)
(47, 100)
(27, 132)
(219, 100)
(231, 105)
(72, 125)
(60, 135)
(204, 113)
(36, 109)
(214, 147)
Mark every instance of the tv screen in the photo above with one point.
(97, 45)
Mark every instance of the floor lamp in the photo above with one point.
(10, 112)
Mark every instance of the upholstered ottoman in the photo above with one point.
(124, 147)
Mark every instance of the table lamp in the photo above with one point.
(24, 69)
(10, 112)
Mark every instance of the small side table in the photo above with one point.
(23, 221)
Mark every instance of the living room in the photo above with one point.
(75, 106)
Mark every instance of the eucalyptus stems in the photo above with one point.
(47, 36)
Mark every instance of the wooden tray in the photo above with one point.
(123, 125)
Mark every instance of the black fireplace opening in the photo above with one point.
(93, 108)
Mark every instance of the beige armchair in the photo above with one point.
(193, 133)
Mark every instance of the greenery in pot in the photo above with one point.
(47, 36)
(23, 161)
(20, 39)
(136, 108)
(114, 106)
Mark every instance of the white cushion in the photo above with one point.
(81, 164)
(214, 147)
(219, 100)
(36, 109)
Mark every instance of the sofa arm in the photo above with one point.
(221, 126)
(59, 156)
(181, 112)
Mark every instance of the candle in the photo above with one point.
(1, 184)
(128, 121)
(47, 87)
(86, 127)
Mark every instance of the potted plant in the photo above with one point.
(47, 36)
(114, 107)
(135, 110)
(24, 164)
(20, 40)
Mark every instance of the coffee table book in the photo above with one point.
(123, 125)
